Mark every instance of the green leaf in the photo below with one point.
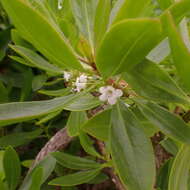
(164, 4)
(48, 117)
(98, 126)
(30, 23)
(18, 40)
(87, 144)
(84, 14)
(178, 10)
(131, 9)
(170, 146)
(99, 179)
(16, 112)
(36, 60)
(142, 36)
(76, 178)
(101, 20)
(180, 170)
(17, 139)
(60, 92)
(85, 102)
(74, 162)
(21, 60)
(147, 126)
(180, 52)
(74, 122)
(48, 165)
(151, 82)
(38, 82)
(131, 150)
(37, 176)
(27, 163)
(170, 124)
(12, 168)
(163, 175)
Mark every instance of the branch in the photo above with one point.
(60, 140)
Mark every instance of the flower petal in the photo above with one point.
(118, 93)
(112, 100)
(110, 88)
(102, 89)
(103, 97)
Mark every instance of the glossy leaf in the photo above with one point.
(75, 121)
(23, 111)
(153, 83)
(48, 165)
(38, 82)
(98, 126)
(30, 23)
(178, 10)
(147, 126)
(101, 20)
(164, 4)
(84, 103)
(12, 168)
(36, 60)
(170, 146)
(131, 150)
(131, 9)
(74, 162)
(180, 52)
(48, 117)
(180, 170)
(87, 144)
(163, 175)
(36, 179)
(170, 124)
(142, 36)
(84, 14)
(76, 178)
(60, 92)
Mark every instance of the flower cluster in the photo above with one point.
(109, 94)
(81, 82)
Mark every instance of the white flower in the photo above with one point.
(81, 83)
(67, 76)
(110, 94)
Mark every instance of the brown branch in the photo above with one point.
(60, 140)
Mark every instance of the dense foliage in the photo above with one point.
(94, 94)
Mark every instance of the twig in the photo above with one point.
(115, 179)
(109, 171)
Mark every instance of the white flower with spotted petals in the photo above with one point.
(110, 94)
